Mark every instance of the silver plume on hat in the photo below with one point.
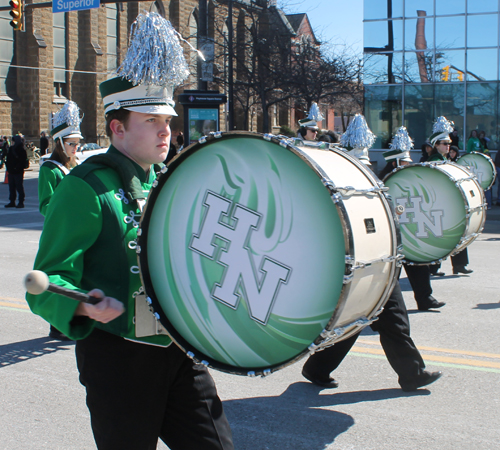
(69, 114)
(357, 135)
(442, 125)
(155, 56)
(401, 140)
(315, 113)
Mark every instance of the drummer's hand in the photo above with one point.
(105, 311)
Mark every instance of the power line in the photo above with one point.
(53, 68)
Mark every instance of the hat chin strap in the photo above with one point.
(62, 145)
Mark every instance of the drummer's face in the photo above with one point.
(145, 139)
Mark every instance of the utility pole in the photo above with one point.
(202, 36)
(230, 99)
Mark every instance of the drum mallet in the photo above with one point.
(36, 282)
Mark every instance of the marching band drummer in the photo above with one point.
(66, 133)
(308, 130)
(139, 386)
(392, 325)
(440, 139)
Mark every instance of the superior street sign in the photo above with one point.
(73, 5)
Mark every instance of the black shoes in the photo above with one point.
(328, 383)
(10, 205)
(462, 269)
(20, 205)
(423, 380)
(429, 303)
(438, 274)
(57, 335)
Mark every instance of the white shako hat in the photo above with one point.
(399, 147)
(66, 122)
(153, 67)
(312, 119)
(358, 138)
(441, 130)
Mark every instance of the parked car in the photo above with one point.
(84, 152)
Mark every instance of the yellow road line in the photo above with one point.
(14, 305)
(442, 350)
(442, 359)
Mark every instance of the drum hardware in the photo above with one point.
(349, 191)
(217, 134)
(400, 209)
(202, 140)
(459, 182)
(333, 336)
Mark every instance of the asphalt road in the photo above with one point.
(42, 404)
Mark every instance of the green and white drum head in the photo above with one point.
(480, 165)
(434, 217)
(242, 253)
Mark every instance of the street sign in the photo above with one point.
(73, 5)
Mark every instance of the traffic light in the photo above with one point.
(16, 12)
(445, 73)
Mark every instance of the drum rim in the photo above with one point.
(465, 238)
(177, 338)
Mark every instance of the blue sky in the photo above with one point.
(335, 21)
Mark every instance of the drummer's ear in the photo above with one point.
(117, 128)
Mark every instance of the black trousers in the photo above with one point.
(461, 259)
(16, 183)
(394, 329)
(137, 393)
(420, 280)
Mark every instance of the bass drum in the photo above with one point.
(480, 165)
(255, 252)
(442, 209)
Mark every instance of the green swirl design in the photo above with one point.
(299, 227)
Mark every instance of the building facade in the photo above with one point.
(65, 56)
(430, 58)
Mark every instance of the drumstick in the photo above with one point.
(36, 282)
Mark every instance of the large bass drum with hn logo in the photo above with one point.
(443, 209)
(255, 252)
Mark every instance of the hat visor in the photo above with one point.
(153, 109)
(73, 135)
(407, 159)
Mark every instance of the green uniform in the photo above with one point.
(49, 177)
(88, 241)
(436, 157)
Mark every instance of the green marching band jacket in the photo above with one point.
(49, 177)
(89, 240)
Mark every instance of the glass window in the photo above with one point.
(383, 112)
(387, 68)
(482, 64)
(59, 51)
(450, 66)
(383, 35)
(112, 37)
(419, 112)
(382, 9)
(482, 101)
(450, 102)
(412, 6)
(6, 48)
(418, 67)
(482, 31)
(419, 33)
(478, 6)
(445, 7)
(450, 32)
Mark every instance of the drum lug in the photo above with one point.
(138, 249)
(217, 134)
(348, 278)
(284, 143)
(202, 140)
